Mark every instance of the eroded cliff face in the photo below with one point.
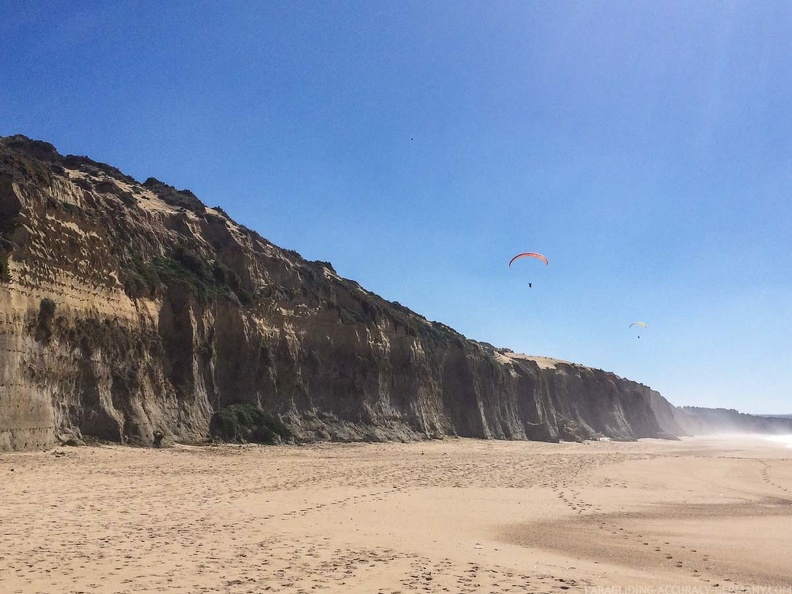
(130, 308)
(706, 421)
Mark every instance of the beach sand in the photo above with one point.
(455, 515)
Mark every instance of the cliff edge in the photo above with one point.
(129, 309)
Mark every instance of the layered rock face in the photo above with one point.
(128, 309)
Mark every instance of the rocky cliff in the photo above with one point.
(695, 420)
(128, 309)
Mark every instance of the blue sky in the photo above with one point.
(644, 147)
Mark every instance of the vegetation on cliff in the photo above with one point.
(206, 280)
(245, 423)
(5, 271)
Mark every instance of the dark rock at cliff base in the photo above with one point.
(133, 313)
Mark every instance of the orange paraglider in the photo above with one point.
(530, 255)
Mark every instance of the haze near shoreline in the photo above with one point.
(456, 515)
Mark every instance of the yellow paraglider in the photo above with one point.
(641, 324)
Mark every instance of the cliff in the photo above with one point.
(702, 421)
(128, 309)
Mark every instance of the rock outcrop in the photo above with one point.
(129, 311)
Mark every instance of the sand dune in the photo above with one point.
(443, 516)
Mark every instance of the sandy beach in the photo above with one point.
(457, 515)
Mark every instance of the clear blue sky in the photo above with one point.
(644, 147)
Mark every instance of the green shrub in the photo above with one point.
(5, 271)
(241, 423)
(192, 262)
(45, 317)
(72, 209)
(189, 269)
(206, 280)
(47, 308)
(140, 278)
(228, 281)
